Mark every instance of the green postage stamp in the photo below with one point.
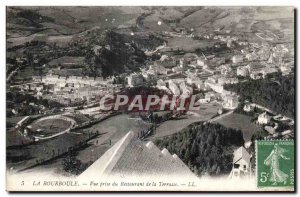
(275, 163)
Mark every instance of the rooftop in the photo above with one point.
(241, 153)
(131, 157)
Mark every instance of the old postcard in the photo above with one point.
(150, 98)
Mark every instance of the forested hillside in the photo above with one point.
(276, 94)
(206, 148)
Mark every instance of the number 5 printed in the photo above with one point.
(263, 177)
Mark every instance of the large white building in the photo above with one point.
(78, 81)
(201, 62)
(285, 70)
(263, 118)
(242, 71)
(230, 102)
(196, 81)
(135, 79)
(173, 87)
(237, 59)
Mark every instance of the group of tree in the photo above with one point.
(72, 165)
(20, 102)
(115, 54)
(206, 148)
(277, 94)
(30, 17)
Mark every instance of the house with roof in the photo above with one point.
(241, 165)
(255, 67)
(248, 108)
(131, 158)
(135, 79)
(173, 87)
(242, 71)
(226, 70)
(237, 59)
(263, 118)
(256, 70)
(230, 102)
(285, 70)
(269, 70)
(251, 56)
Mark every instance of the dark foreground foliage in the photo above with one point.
(206, 148)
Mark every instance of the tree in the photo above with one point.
(207, 148)
(73, 165)
(276, 93)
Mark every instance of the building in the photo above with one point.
(160, 84)
(229, 43)
(185, 90)
(248, 107)
(173, 87)
(286, 132)
(256, 75)
(209, 96)
(77, 81)
(177, 69)
(226, 70)
(213, 79)
(201, 61)
(271, 59)
(182, 63)
(251, 56)
(256, 70)
(264, 53)
(242, 71)
(97, 49)
(255, 67)
(22, 122)
(67, 62)
(285, 70)
(237, 59)
(131, 158)
(205, 74)
(241, 164)
(217, 61)
(195, 81)
(204, 99)
(160, 70)
(270, 130)
(263, 118)
(149, 75)
(269, 70)
(230, 102)
(167, 63)
(214, 86)
(216, 83)
(223, 80)
(135, 79)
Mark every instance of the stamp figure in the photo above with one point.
(275, 165)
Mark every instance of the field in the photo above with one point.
(188, 44)
(207, 111)
(116, 127)
(67, 61)
(24, 157)
(60, 40)
(51, 125)
(110, 130)
(242, 122)
(69, 20)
